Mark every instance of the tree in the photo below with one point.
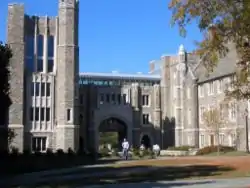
(214, 121)
(5, 54)
(227, 22)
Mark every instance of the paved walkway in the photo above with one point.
(222, 183)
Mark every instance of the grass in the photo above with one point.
(233, 153)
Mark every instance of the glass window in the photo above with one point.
(51, 46)
(29, 64)
(37, 87)
(43, 89)
(39, 65)
(47, 114)
(48, 89)
(36, 114)
(42, 111)
(39, 144)
(40, 45)
(68, 114)
(50, 65)
(29, 46)
(145, 119)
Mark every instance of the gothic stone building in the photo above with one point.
(55, 106)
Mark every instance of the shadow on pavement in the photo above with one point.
(120, 175)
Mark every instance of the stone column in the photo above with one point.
(195, 113)
(157, 115)
(135, 101)
(15, 38)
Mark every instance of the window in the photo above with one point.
(29, 64)
(124, 98)
(189, 116)
(219, 85)
(119, 99)
(81, 99)
(47, 114)
(145, 119)
(101, 98)
(221, 139)
(188, 93)
(113, 98)
(145, 100)
(107, 98)
(40, 45)
(202, 111)
(39, 144)
(68, 114)
(201, 90)
(51, 46)
(50, 65)
(29, 46)
(37, 88)
(202, 140)
(232, 111)
(42, 114)
(48, 85)
(39, 65)
(211, 88)
(42, 89)
(36, 114)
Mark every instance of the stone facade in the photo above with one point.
(55, 106)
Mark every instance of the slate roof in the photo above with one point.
(226, 66)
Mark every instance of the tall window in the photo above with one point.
(29, 53)
(201, 90)
(202, 140)
(233, 111)
(68, 114)
(47, 110)
(189, 116)
(48, 85)
(39, 144)
(42, 89)
(211, 88)
(113, 98)
(221, 139)
(124, 98)
(40, 53)
(119, 99)
(50, 53)
(202, 111)
(145, 119)
(219, 85)
(145, 100)
(101, 98)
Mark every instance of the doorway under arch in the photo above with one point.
(112, 131)
(145, 140)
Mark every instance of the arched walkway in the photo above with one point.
(112, 131)
(145, 140)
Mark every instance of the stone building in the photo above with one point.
(55, 106)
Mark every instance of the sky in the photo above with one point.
(115, 35)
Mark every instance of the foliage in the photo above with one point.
(109, 138)
(5, 55)
(181, 148)
(213, 149)
(228, 23)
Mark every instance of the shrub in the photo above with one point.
(181, 148)
(59, 152)
(70, 152)
(213, 149)
(104, 152)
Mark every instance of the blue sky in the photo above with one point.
(116, 35)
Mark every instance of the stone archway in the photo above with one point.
(146, 141)
(112, 130)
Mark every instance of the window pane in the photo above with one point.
(29, 46)
(40, 45)
(42, 114)
(39, 65)
(33, 144)
(37, 114)
(50, 65)
(47, 114)
(43, 144)
(37, 87)
(48, 90)
(51, 46)
(29, 64)
(68, 115)
(42, 89)
(38, 144)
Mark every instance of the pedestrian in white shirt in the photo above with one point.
(156, 150)
(125, 148)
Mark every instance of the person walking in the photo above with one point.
(125, 148)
